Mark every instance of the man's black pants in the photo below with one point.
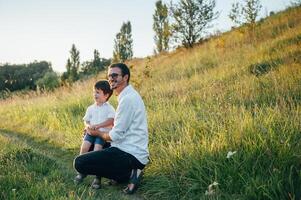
(110, 163)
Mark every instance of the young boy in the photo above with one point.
(99, 115)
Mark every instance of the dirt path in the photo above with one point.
(62, 156)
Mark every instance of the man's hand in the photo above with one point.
(93, 132)
(104, 135)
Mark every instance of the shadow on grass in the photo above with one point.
(280, 45)
(32, 168)
(266, 66)
(282, 27)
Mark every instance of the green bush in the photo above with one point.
(49, 81)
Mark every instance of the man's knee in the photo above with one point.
(78, 164)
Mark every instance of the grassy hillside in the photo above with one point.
(238, 92)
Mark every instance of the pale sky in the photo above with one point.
(45, 30)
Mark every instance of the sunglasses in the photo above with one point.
(114, 75)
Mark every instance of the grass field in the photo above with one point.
(238, 92)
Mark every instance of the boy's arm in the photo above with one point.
(109, 122)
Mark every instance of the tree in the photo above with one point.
(96, 65)
(123, 47)
(66, 75)
(236, 13)
(191, 18)
(245, 13)
(68, 66)
(49, 81)
(295, 3)
(161, 27)
(92, 67)
(72, 66)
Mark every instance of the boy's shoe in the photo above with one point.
(96, 184)
(79, 178)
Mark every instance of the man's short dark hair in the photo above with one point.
(124, 69)
(105, 87)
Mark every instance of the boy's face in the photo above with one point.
(99, 96)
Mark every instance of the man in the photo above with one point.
(128, 153)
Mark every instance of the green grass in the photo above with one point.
(239, 92)
(35, 169)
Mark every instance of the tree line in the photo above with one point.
(24, 76)
(181, 24)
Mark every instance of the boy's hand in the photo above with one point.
(93, 127)
(92, 132)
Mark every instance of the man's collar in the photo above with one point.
(125, 91)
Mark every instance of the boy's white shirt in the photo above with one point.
(97, 114)
(130, 133)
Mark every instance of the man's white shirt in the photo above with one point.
(130, 133)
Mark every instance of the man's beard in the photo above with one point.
(114, 85)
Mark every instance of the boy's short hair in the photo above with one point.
(105, 87)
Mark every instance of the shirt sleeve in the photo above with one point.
(111, 112)
(87, 116)
(124, 116)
